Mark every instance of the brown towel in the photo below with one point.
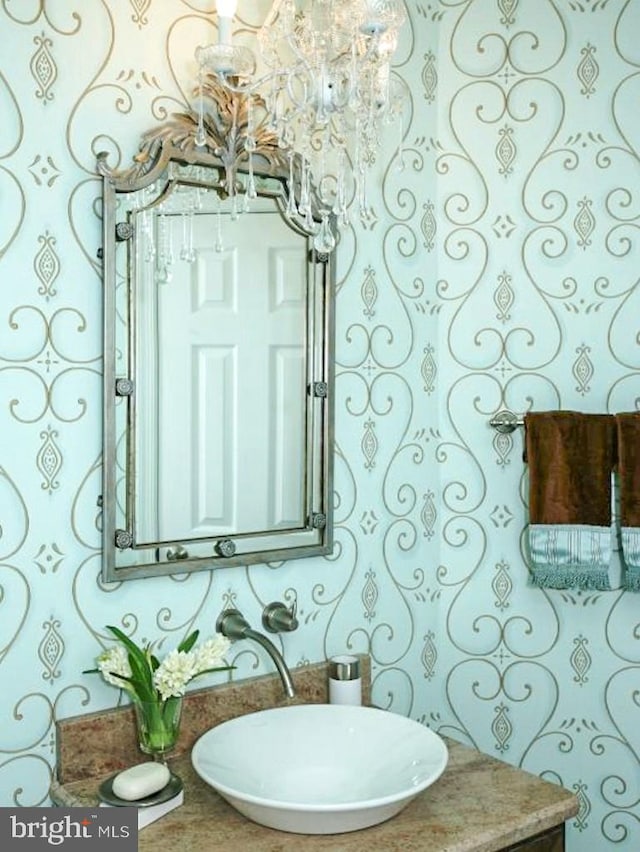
(571, 456)
(628, 428)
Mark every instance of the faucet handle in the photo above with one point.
(277, 617)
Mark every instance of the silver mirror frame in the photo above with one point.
(163, 150)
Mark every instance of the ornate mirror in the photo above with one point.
(218, 351)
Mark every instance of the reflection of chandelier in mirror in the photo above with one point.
(327, 91)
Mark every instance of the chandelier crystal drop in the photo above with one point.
(327, 91)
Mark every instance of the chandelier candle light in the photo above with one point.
(327, 91)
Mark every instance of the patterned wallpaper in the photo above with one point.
(500, 269)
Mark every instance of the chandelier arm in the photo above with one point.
(242, 88)
(298, 104)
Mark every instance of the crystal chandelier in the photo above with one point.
(327, 92)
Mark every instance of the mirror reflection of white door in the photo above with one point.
(231, 382)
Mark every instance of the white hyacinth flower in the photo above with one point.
(174, 673)
(211, 653)
(114, 661)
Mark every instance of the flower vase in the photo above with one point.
(158, 725)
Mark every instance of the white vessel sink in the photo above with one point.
(319, 768)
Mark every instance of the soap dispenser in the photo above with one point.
(345, 681)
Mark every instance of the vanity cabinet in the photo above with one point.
(479, 804)
(548, 841)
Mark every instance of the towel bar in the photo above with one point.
(506, 421)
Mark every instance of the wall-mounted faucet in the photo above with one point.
(232, 624)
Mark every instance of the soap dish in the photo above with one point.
(171, 789)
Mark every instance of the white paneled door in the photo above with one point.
(231, 378)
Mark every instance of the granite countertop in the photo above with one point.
(479, 804)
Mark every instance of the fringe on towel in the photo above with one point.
(567, 556)
(631, 550)
(554, 578)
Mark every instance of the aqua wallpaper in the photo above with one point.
(501, 269)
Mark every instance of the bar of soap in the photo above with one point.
(140, 781)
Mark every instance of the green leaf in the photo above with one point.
(122, 677)
(189, 642)
(142, 677)
(141, 690)
(128, 684)
(216, 669)
(131, 646)
(170, 705)
(141, 674)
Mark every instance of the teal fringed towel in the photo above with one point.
(570, 456)
(628, 427)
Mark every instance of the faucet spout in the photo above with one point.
(232, 624)
(276, 656)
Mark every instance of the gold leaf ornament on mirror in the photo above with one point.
(223, 128)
